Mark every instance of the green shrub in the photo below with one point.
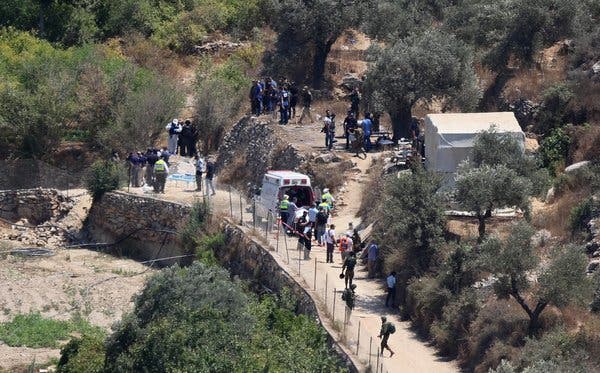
(198, 220)
(450, 333)
(554, 109)
(208, 246)
(554, 149)
(85, 354)
(104, 176)
(582, 213)
(425, 301)
(32, 330)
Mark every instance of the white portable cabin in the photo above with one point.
(449, 138)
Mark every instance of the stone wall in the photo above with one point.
(31, 173)
(139, 225)
(37, 206)
(249, 150)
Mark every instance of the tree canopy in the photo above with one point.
(429, 66)
(514, 263)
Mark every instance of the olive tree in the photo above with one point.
(517, 269)
(428, 66)
(485, 188)
(308, 29)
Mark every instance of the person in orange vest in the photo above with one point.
(345, 246)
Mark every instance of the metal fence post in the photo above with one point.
(230, 204)
(377, 364)
(267, 224)
(315, 279)
(254, 213)
(326, 282)
(358, 338)
(241, 213)
(334, 291)
(287, 253)
(370, 349)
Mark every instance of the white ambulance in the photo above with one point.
(276, 184)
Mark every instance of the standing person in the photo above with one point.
(414, 132)
(349, 264)
(312, 215)
(151, 158)
(328, 198)
(185, 139)
(391, 289)
(349, 126)
(294, 93)
(387, 328)
(199, 171)
(349, 297)
(210, 174)
(165, 154)
(367, 126)
(356, 241)
(306, 102)
(140, 168)
(292, 215)
(354, 101)
(345, 246)
(321, 223)
(132, 161)
(284, 211)
(326, 131)
(372, 252)
(284, 105)
(161, 171)
(194, 140)
(330, 241)
(173, 129)
(357, 141)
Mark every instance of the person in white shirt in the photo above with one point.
(330, 241)
(199, 170)
(391, 289)
(173, 129)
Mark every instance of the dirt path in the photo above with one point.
(321, 279)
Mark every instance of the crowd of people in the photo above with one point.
(151, 168)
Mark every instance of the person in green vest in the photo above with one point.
(284, 210)
(161, 171)
(324, 205)
(328, 198)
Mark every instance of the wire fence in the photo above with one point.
(355, 327)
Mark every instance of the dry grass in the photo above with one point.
(236, 173)
(555, 217)
(586, 144)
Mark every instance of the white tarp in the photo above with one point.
(449, 138)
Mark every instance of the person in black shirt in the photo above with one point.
(210, 174)
(294, 92)
(350, 124)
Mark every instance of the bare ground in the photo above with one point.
(95, 285)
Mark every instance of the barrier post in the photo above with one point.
(254, 213)
(333, 313)
(241, 213)
(230, 204)
(358, 338)
(315, 279)
(377, 364)
(370, 349)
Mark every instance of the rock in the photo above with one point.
(550, 195)
(217, 46)
(592, 247)
(541, 238)
(336, 158)
(576, 166)
(593, 266)
(596, 254)
(596, 68)
(324, 158)
(349, 81)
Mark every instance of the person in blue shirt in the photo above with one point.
(367, 126)
(284, 104)
(372, 253)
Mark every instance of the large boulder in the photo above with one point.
(577, 166)
(349, 81)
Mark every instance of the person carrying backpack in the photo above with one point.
(349, 297)
(349, 264)
(387, 328)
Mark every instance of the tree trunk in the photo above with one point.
(481, 228)
(320, 59)
(490, 99)
(401, 120)
(534, 318)
(44, 5)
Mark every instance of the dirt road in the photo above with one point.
(322, 279)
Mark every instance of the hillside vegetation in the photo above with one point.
(110, 74)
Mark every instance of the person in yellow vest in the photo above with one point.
(328, 197)
(324, 205)
(161, 171)
(284, 210)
